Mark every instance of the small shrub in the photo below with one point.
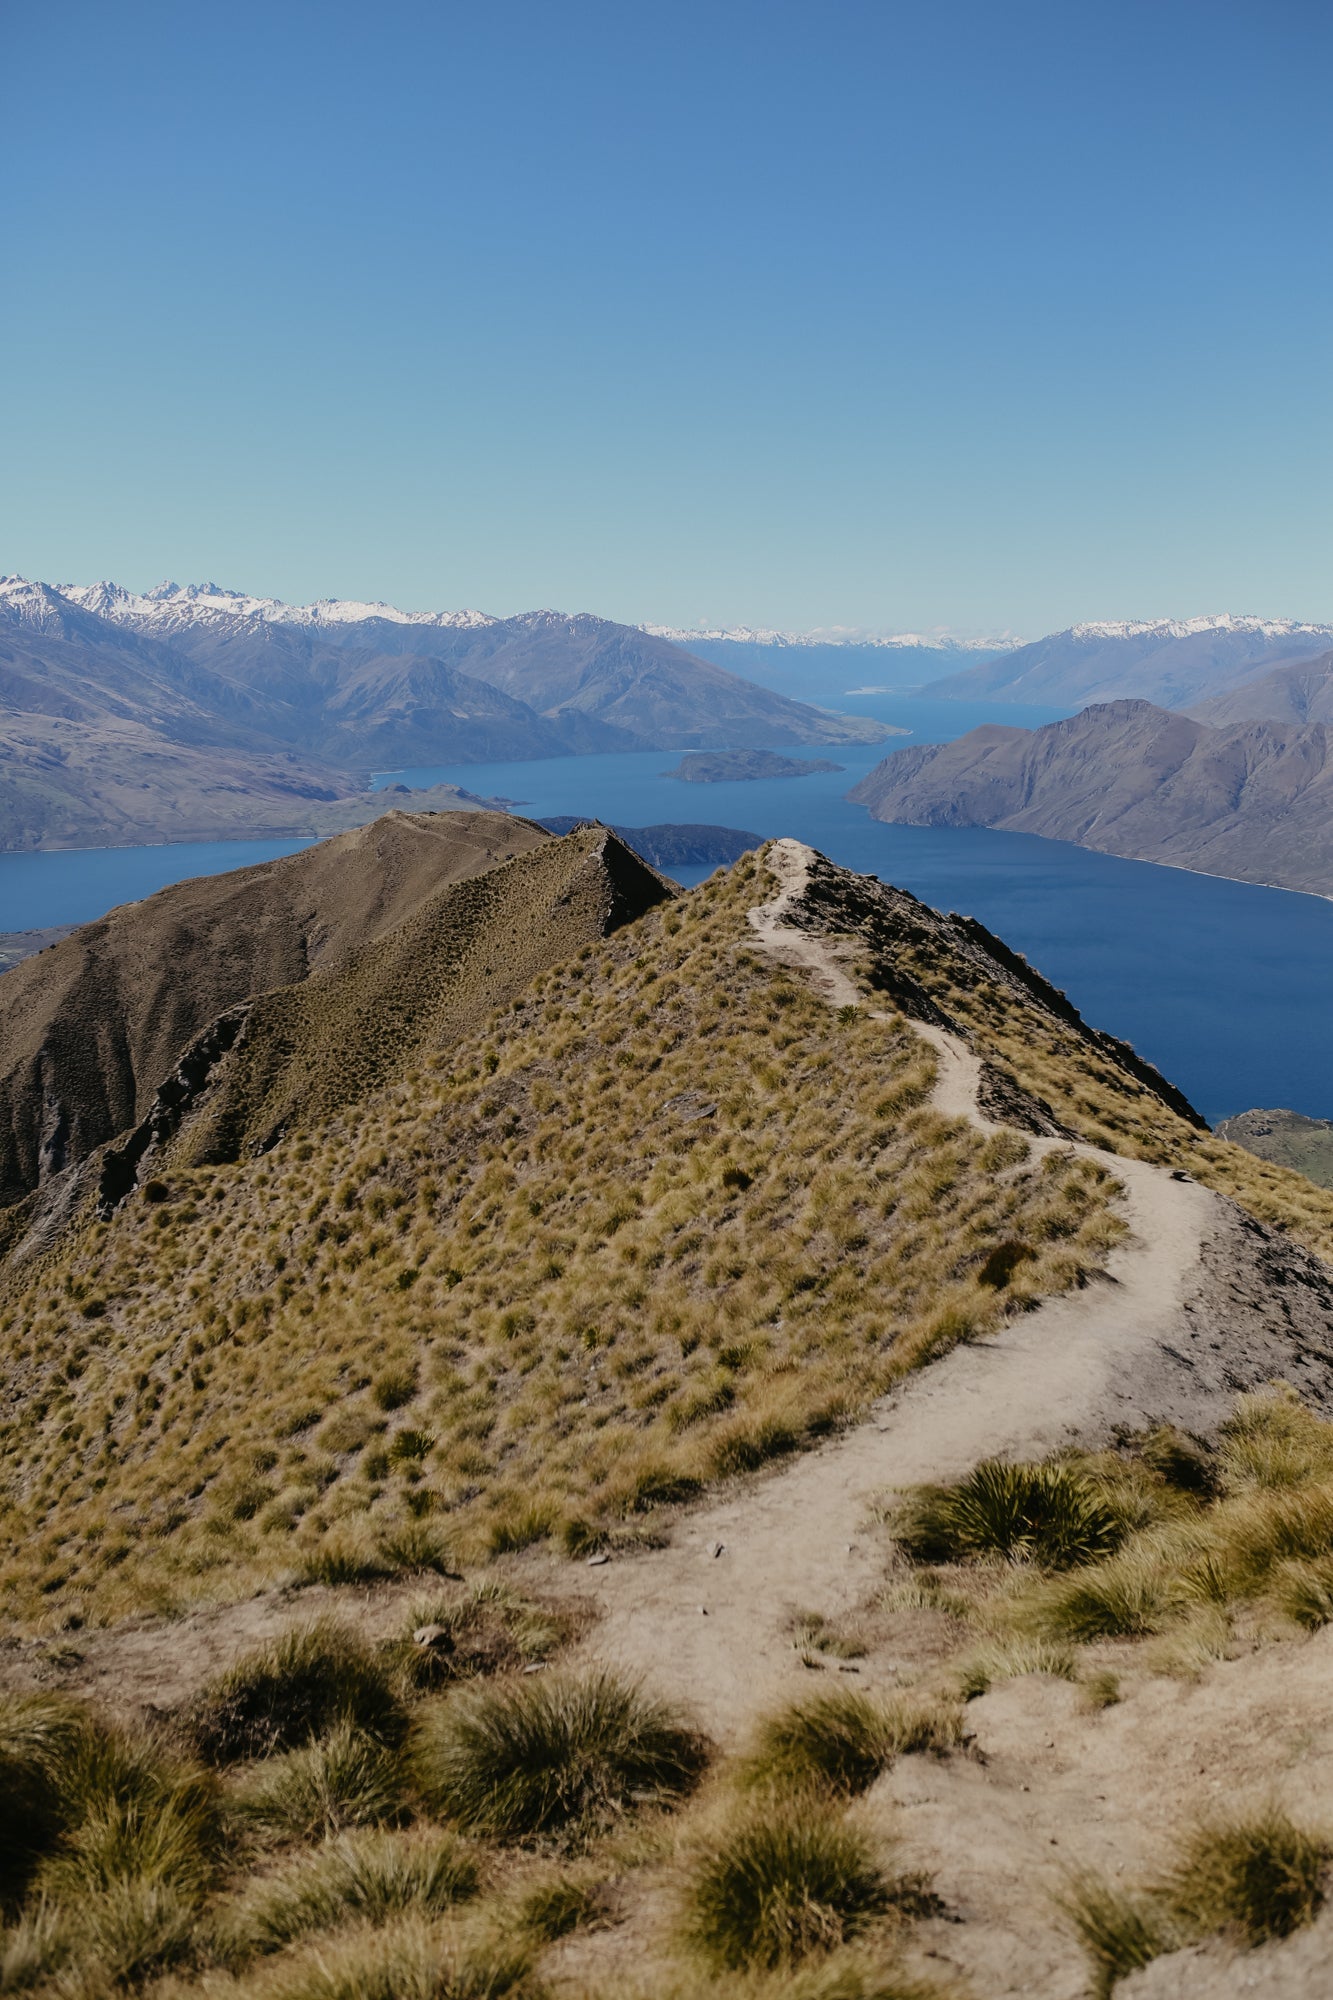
(364, 1877)
(1051, 1515)
(348, 1780)
(529, 1756)
(779, 1883)
(1262, 1876)
(298, 1686)
(842, 1740)
(1118, 1933)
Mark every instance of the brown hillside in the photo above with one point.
(91, 1028)
(308, 1051)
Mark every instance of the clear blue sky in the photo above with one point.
(985, 313)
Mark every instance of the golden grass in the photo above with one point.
(667, 1217)
(1106, 1105)
(1209, 1545)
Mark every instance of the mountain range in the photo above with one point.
(1251, 800)
(1170, 661)
(196, 711)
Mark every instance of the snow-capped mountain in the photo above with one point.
(172, 606)
(1172, 662)
(829, 635)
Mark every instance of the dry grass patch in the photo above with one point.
(552, 1755)
(669, 1215)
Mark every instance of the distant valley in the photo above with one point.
(196, 712)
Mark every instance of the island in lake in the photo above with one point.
(719, 767)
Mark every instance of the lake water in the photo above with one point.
(1223, 985)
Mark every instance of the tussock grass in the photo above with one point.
(300, 1685)
(1009, 1660)
(783, 1880)
(409, 1959)
(841, 1740)
(564, 1902)
(587, 1334)
(1119, 1933)
(1198, 1536)
(488, 1628)
(1262, 1876)
(1254, 1876)
(366, 1878)
(347, 1779)
(1049, 1514)
(531, 1756)
(39, 1735)
(1092, 1095)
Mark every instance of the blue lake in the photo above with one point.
(1225, 986)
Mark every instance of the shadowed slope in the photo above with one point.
(308, 1051)
(91, 1028)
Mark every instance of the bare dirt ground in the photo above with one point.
(1197, 1303)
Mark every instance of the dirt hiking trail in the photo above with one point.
(715, 1629)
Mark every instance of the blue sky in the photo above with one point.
(991, 316)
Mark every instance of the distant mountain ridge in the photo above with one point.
(197, 712)
(1253, 801)
(1173, 662)
(1299, 693)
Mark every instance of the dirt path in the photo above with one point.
(715, 1629)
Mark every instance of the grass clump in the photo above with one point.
(1262, 1876)
(297, 1687)
(1257, 1876)
(1050, 1515)
(488, 1628)
(348, 1779)
(841, 1740)
(366, 1878)
(409, 1959)
(39, 1735)
(1119, 1933)
(782, 1881)
(531, 1756)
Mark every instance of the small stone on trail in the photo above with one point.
(594, 1561)
(703, 1610)
(717, 1548)
(434, 1638)
(535, 1667)
(849, 1670)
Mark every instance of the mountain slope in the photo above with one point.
(1253, 801)
(91, 1028)
(1300, 693)
(660, 1217)
(1172, 662)
(686, 1207)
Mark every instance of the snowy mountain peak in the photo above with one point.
(829, 635)
(1188, 628)
(170, 605)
